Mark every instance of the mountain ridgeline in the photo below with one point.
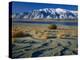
(47, 13)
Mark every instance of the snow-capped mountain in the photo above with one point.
(48, 13)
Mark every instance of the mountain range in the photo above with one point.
(47, 13)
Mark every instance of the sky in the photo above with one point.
(18, 7)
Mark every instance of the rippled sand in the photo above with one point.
(28, 47)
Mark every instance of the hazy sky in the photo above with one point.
(18, 7)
